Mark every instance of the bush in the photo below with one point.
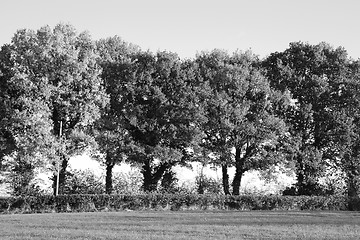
(127, 183)
(84, 182)
(175, 202)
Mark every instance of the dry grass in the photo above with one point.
(182, 225)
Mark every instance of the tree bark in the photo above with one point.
(108, 178)
(152, 176)
(200, 181)
(225, 179)
(352, 183)
(147, 175)
(300, 177)
(239, 171)
(353, 188)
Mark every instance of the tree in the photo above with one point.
(113, 142)
(344, 136)
(312, 74)
(157, 107)
(111, 136)
(115, 50)
(240, 114)
(24, 138)
(7, 142)
(57, 84)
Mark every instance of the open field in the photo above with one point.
(182, 225)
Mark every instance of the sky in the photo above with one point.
(191, 26)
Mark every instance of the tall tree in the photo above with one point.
(112, 138)
(344, 135)
(312, 73)
(56, 78)
(24, 137)
(157, 107)
(7, 142)
(240, 115)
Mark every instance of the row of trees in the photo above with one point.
(63, 93)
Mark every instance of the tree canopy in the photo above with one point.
(240, 114)
(314, 75)
(153, 101)
(54, 81)
(61, 93)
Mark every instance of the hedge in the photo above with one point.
(174, 202)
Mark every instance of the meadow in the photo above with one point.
(182, 225)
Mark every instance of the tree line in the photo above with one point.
(62, 93)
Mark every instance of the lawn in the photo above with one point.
(182, 225)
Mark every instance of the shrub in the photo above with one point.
(84, 182)
(175, 202)
(127, 183)
(208, 185)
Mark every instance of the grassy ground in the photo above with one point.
(182, 225)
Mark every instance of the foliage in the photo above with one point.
(83, 182)
(154, 103)
(239, 106)
(112, 138)
(205, 184)
(313, 74)
(175, 202)
(24, 132)
(345, 132)
(7, 141)
(87, 182)
(169, 182)
(208, 185)
(54, 81)
(61, 93)
(128, 183)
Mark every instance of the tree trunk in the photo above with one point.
(152, 176)
(300, 177)
(239, 171)
(200, 181)
(353, 188)
(352, 183)
(225, 179)
(108, 178)
(148, 185)
(1, 159)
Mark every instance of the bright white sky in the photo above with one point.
(190, 26)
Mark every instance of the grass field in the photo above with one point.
(182, 225)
